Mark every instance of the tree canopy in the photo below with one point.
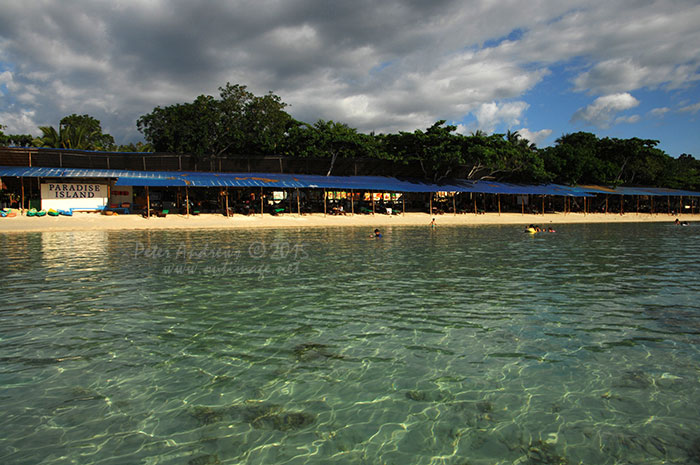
(81, 132)
(239, 123)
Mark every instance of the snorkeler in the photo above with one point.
(376, 233)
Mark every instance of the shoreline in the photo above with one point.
(97, 222)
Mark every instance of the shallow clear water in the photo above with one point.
(457, 345)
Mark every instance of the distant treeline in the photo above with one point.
(241, 123)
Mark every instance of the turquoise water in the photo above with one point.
(457, 345)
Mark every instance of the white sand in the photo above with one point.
(95, 222)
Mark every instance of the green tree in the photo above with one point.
(18, 140)
(632, 161)
(87, 132)
(327, 139)
(573, 159)
(237, 122)
(503, 157)
(437, 150)
(81, 132)
(265, 124)
(683, 173)
(138, 147)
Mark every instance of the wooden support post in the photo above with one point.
(226, 200)
(298, 202)
(372, 193)
(637, 204)
(651, 198)
(454, 203)
(325, 195)
(668, 199)
(606, 204)
(499, 204)
(187, 200)
(431, 203)
(21, 207)
(522, 204)
(585, 202)
(352, 202)
(262, 206)
(542, 204)
(476, 211)
(403, 201)
(148, 203)
(622, 204)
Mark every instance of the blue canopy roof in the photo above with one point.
(292, 181)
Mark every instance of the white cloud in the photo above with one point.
(490, 115)
(603, 109)
(535, 137)
(659, 112)
(622, 46)
(690, 108)
(19, 123)
(631, 119)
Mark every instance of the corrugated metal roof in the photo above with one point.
(151, 182)
(653, 191)
(292, 181)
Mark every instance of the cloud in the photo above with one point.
(603, 109)
(627, 119)
(659, 112)
(690, 108)
(622, 46)
(377, 66)
(490, 115)
(535, 137)
(22, 122)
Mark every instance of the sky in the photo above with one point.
(544, 68)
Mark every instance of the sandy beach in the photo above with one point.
(96, 222)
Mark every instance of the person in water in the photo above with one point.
(432, 223)
(376, 233)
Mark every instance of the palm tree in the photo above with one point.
(50, 137)
(67, 137)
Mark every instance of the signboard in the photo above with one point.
(121, 194)
(80, 196)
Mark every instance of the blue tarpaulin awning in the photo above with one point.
(306, 181)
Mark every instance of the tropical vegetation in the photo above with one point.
(239, 123)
